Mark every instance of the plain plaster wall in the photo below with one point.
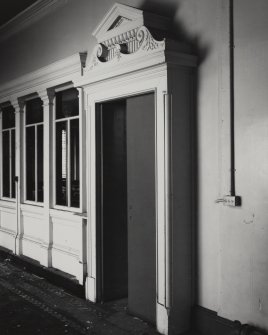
(201, 20)
(232, 260)
(244, 231)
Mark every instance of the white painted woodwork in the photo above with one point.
(68, 242)
(129, 61)
(19, 109)
(47, 98)
(59, 73)
(8, 219)
(227, 272)
(37, 230)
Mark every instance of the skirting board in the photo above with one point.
(207, 322)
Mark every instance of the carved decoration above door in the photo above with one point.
(128, 40)
(126, 33)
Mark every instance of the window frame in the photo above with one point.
(9, 130)
(68, 207)
(35, 125)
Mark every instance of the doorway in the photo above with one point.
(126, 216)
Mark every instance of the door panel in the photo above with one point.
(114, 201)
(141, 206)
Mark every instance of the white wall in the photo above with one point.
(244, 231)
(232, 257)
(202, 22)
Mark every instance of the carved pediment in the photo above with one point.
(119, 21)
(117, 17)
(125, 32)
(122, 18)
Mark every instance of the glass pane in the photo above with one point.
(6, 165)
(30, 163)
(61, 163)
(13, 162)
(8, 117)
(67, 103)
(34, 111)
(74, 152)
(40, 169)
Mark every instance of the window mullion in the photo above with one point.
(1, 153)
(10, 163)
(54, 178)
(68, 164)
(35, 160)
(80, 152)
(24, 158)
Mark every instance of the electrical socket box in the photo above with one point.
(232, 200)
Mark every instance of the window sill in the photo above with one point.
(33, 203)
(67, 209)
(32, 208)
(68, 214)
(8, 199)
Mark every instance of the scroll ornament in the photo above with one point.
(121, 46)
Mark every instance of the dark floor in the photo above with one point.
(31, 305)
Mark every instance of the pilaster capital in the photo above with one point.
(80, 92)
(18, 104)
(47, 96)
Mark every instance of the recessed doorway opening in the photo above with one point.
(126, 210)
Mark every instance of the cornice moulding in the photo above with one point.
(57, 73)
(27, 17)
(109, 71)
(158, 71)
(155, 61)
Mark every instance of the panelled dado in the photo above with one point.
(34, 222)
(136, 82)
(8, 224)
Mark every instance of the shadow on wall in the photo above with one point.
(177, 29)
(179, 32)
(193, 42)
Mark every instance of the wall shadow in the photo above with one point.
(177, 30)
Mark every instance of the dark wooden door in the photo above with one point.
(141, 206)
(113, 186)
(126, 202)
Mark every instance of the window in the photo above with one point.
(34, 148)
(67, 148)
(8, 152)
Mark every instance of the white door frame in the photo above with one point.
(147, 80)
